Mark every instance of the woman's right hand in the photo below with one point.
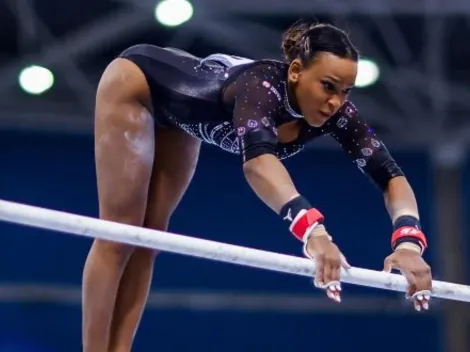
(328, 260)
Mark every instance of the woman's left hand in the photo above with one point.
(416, 271)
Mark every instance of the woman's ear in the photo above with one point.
(295, 69)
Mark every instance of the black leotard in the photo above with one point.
(231, 101)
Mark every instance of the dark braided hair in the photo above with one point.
(304, 40)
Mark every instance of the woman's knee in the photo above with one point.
(158, 220)
(122, 214)
(112, 253)
(121, 252)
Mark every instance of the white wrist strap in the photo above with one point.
(410, 246)
(316, 230)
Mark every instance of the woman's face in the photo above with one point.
(322, 87)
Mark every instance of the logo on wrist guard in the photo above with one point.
(288, 216)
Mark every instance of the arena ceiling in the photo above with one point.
(422, 48)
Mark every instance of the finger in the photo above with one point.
(425, 305)
(319, 275)
(424, 280)
(335, 285)
(423, 302)
(411, 279)
(421, 299)
(388, 264)
(328, 272)
(417, 305)
(427, 298)
(333, 295)
(423, 292)
(336, 273)
(334, 291)
(337, 277)
(344, 262)
(420, 303)
(411, 291)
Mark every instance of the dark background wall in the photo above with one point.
(57, 171)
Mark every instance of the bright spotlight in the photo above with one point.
(173, 13)
(36, 79)
(368, 73)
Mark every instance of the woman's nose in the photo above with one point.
(335, 102)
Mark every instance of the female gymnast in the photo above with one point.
(155, 106)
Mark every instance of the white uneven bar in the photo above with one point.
(95, 228)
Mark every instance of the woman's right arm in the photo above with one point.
(270, 180)
(255, 107)
(256, 103)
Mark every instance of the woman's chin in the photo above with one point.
(317, 121)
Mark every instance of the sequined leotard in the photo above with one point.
(223, 100)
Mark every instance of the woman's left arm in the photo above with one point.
(372, 157)
(400, 199)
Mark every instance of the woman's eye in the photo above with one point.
(329, 87)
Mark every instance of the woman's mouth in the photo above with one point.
(325, 115)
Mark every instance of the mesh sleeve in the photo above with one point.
(256, 100)
(363, 146)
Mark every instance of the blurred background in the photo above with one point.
(413, 88)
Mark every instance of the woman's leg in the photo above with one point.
(124, 153)
(176, 155)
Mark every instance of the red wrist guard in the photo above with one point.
(409, 234)
(305, 222)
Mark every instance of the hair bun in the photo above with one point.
(305, 38)
(291, 39)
